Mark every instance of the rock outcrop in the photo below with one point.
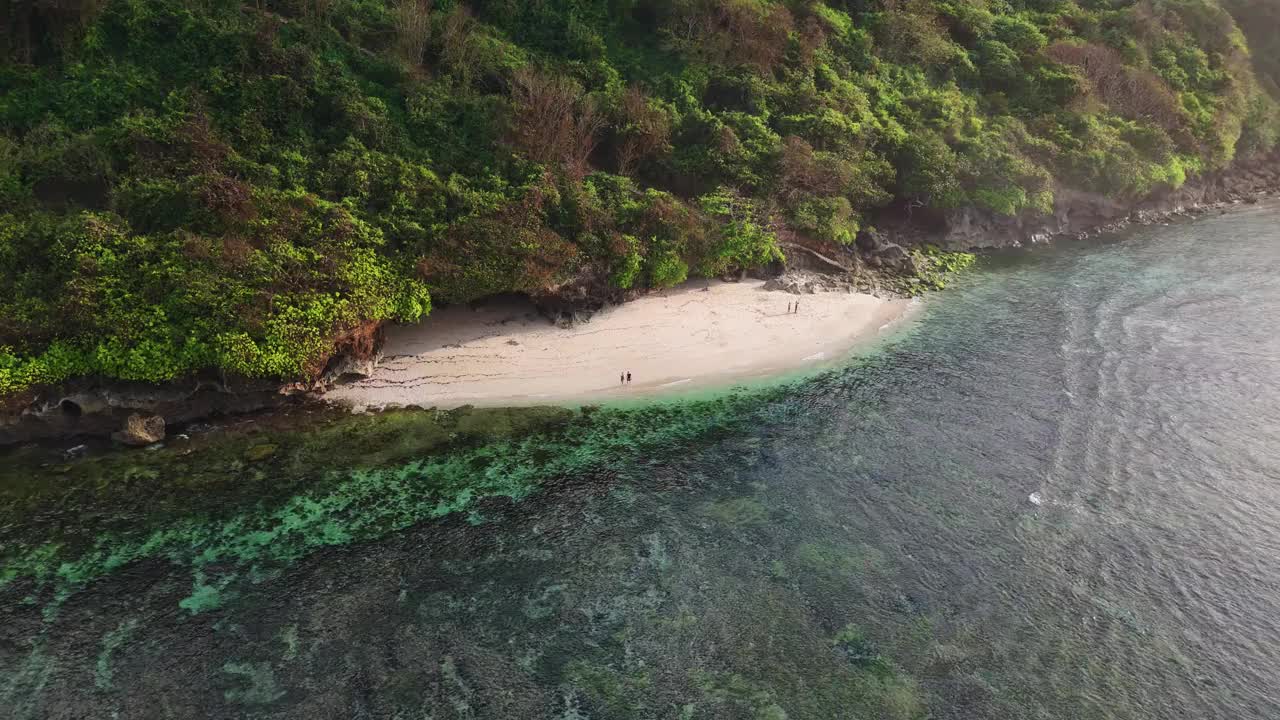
(798, 282)
(347, 366)
(91, 407)
(881, 253)
(140, 430)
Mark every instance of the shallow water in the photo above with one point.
(1056, 496)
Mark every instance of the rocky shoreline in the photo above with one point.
(1079, 214)
(94, 408)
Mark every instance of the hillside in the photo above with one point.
(245, 187)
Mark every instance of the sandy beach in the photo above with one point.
(504, 353)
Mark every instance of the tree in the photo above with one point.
(731, 32)
(413, 28)
(554, 123)
(644, 130)
(1130, 92)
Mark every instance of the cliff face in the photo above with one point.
(1078, 213)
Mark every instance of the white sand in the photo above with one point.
(504, 353)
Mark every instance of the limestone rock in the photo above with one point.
(895, 257)
(869, 241)
(350, 367)
(808, 283)
(140, 430)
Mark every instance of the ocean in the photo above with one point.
(1054, 494)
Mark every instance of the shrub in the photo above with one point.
(743, 240)
(552, 121)
(730, 32)
(1132, 93)
(627, 269)
(644, 130)
(667, 269)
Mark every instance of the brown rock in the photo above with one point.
(258, 453)
(140, 430)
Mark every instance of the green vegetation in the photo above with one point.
(933, 267)
(247, 187)
(229, 519)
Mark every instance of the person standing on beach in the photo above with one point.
(621, 378)
(628, 377)
(797, 310)
(788, 308)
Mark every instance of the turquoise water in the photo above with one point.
(1055, 496)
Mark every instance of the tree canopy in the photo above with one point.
(217, 184)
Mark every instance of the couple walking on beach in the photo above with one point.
(796, 310)
(624, 378)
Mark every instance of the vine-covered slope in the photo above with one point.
(241, 186)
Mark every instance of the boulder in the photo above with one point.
(895, 257)
(349, 367)
(892, 253)
(805, 283)
(140, 430)
(869, 241)
(258, 453)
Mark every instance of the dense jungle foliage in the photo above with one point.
(216, 184)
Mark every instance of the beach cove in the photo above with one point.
(705, 334)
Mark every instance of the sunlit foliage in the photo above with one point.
(191, 185)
